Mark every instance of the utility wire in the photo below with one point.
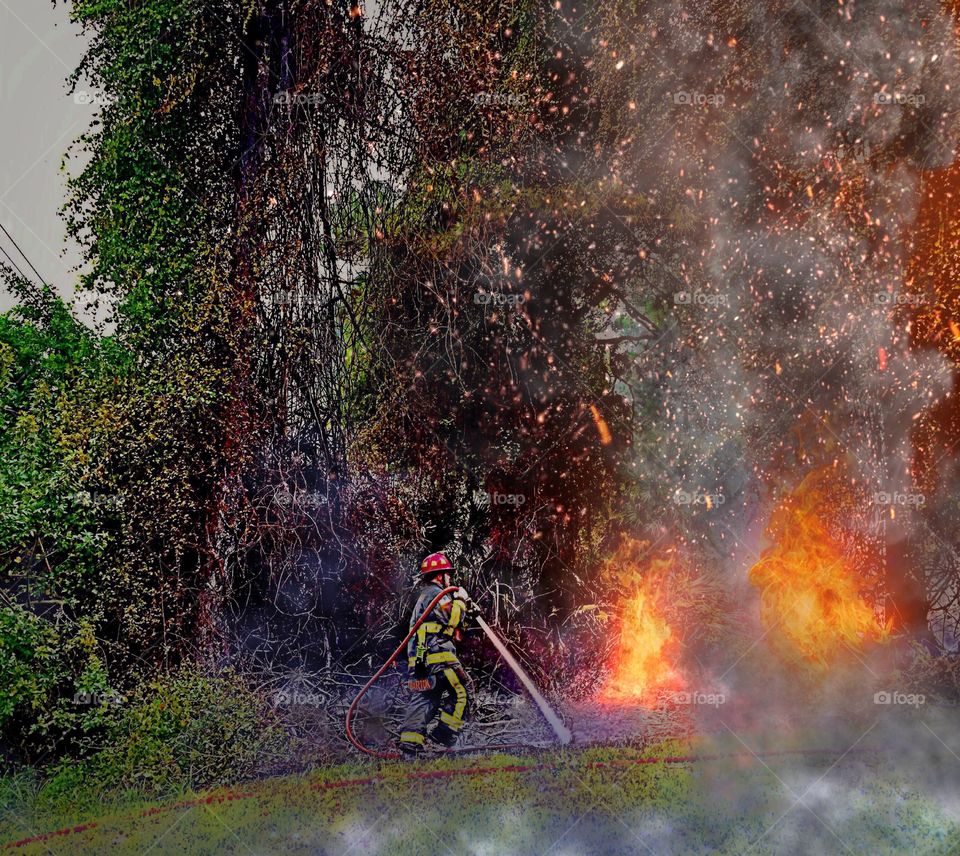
(13, 264)
(22, 253)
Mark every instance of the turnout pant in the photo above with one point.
(447, 694)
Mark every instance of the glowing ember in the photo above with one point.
(602, 428)
(809, 591)
(641, 665)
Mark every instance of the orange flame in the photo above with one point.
(810, 592)
(641, 664)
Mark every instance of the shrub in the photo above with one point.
(186, 731)
(54, 683)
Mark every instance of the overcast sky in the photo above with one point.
(39, 47)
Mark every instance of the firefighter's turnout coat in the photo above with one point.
(437, 683)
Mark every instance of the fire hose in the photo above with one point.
(562, 732)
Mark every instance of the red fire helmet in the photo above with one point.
(435, 563)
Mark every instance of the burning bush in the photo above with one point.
(642, 663)
(810, 587)
(670, 606)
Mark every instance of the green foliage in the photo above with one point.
(150, 203)
(55, 684)
(185, 730)
(52, 535)
(109, 444)
(44, 520)
(26, 645)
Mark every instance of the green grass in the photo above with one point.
(578, 801)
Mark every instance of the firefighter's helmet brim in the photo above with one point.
(435, 563)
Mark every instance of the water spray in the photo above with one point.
(561, 730)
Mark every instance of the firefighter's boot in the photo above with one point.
(444, 736)
(411, 745)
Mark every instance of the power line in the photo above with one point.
(13, 264)
(22, 253)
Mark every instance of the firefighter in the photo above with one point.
(437, 682)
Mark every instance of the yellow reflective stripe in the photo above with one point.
(456, 614)
(411, 737)
(450, 720)
(455, 719)
(424, 629)
(433, 659)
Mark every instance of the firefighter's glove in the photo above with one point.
(461, 594)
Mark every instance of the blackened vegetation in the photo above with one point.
(418, 298)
